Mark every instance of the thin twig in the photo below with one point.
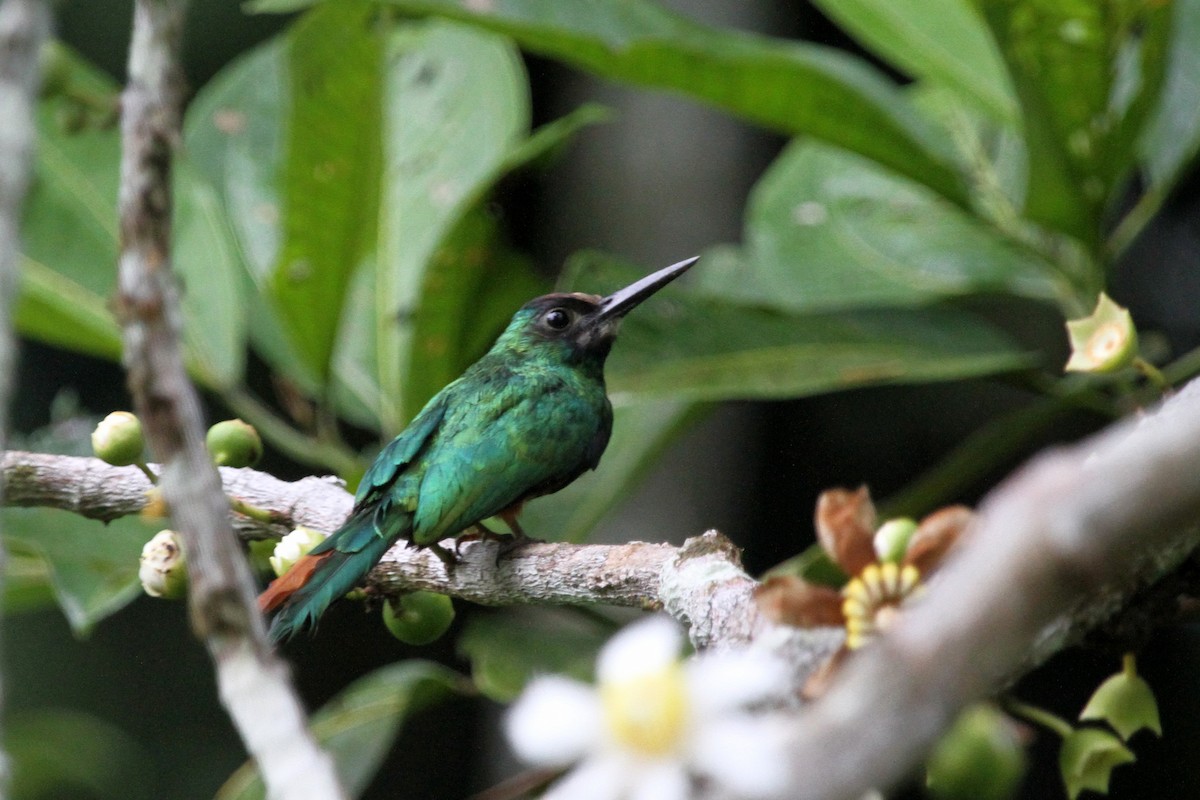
(252, 681)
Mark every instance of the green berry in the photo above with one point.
(234, 443)
(418, 617)
(118, 439)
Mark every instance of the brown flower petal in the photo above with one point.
(846, 523)
(935, 536)
(789, 600)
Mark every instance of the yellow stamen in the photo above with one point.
(871, 602)
(647, 713)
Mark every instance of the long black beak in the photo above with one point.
(622, 301)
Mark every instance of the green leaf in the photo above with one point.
(472, 286)
(1085, 74)
(234, 138)
(789, 87)
(358, 726)
(67, 280)
(1126, 702)
(210, 272)
(1087, 759)
(507, 648)
(940, 40)
(56, 310)
(70, 754)
(697, 347)
(333, 124)
(1172, 134)
(457, 104)
(826, 230)
(93, 566)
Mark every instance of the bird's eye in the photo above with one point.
(558, 319)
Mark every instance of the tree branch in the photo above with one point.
(23, 27)
(253, 683)
(1058, 547)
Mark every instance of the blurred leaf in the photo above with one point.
(26, 581)
(210, 272)
(68, 279)
(457, 104)
(944, 40)
(93, 566)
(507, 648)
(333, 124)
(359, 725)
(1172, 135)
(63, 753)
(1086, 74)
(826, 230)
(54, 309)
(1087, 759)
(790, 87)
(640, 434)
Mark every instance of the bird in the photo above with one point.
(523, 421)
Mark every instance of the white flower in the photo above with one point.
(654, 722)
(293, 547)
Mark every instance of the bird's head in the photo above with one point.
(582, 325)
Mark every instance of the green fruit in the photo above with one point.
(234, 443)
(418, 617)
(118, 440)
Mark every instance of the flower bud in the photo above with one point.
(234, 443)
(418, 617)
(1106, 341)
(1087, 759)
(293, 547)
(1126, 702)
(118, 439)
(163, 569)
(891, 540)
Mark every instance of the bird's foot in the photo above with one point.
(517, 540)
(448, 558)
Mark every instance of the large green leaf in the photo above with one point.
(333, 123)
(826, 229)
(69, 234)
(457, 105)
(358, 726)
(453, 105)
(474, 281)
(1172, 135)
(92, 566)
(507, 648)
(700, 347)
(790, 87)
(1086, 74)
(945, 41)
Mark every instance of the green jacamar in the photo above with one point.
(523, 421)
